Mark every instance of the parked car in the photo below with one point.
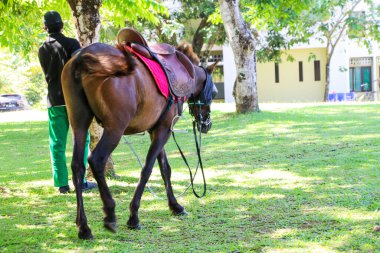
(10, 102)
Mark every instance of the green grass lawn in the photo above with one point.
(290, 180)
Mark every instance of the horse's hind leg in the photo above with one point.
(159, 139)
(78, 169)
(80, 121)
(165, 169)
(80, 117)
(97, 161)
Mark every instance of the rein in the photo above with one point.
(198, 145)
(199, 162)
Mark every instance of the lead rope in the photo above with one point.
(141, 165)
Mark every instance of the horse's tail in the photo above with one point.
(105, 64)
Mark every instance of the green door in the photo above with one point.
(360, 79)
(366, 74)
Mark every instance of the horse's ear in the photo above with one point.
(211, 68)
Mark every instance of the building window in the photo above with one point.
(218, 79)
(215, 57)
(317, 71)
(300, 71)
(276, 73)
(360, 61)
(360, 79)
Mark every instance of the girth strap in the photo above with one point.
(163, 113)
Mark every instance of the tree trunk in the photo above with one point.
(330, 47)
(87, 23)
(243, 46)
(96, 133)
(327, 87)
(198, 38)
(87, 20)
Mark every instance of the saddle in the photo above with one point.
(178, 68)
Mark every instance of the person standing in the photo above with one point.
(53, 54)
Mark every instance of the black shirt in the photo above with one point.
(54, 53)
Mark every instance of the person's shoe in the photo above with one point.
(88, 186)
(64, 189)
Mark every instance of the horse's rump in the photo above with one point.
(100, 60)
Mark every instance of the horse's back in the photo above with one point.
(101, 49)
(119, 89)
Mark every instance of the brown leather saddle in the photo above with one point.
(178, 68)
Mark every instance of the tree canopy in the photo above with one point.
(21, 34)
(21, 20)
(21, 27)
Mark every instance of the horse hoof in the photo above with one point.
(181, 213)
(111, 226)
(136, 227)
(86, 236)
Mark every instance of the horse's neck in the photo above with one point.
(200, 78)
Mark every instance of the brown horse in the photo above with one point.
(113, 86)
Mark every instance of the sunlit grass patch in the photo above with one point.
(284, 180)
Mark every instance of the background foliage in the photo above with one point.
(20, 76)
(277, 24)
(21, 34)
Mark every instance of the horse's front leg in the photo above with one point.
(159, 138)
(166, 172)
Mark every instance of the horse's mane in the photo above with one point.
(187, 49)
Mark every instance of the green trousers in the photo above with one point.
(58, 130)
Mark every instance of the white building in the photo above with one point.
(354, 73)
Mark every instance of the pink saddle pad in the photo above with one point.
(156, 71)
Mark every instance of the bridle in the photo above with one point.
(198, 118)
(204, 99)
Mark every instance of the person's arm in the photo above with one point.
(75, 46)
(42, 56)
